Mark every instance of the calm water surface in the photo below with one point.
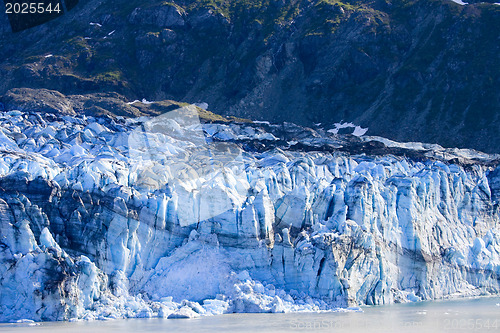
(471, 315)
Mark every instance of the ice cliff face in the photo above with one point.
(103, 218)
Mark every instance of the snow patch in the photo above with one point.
(356, 130)
(143, 101)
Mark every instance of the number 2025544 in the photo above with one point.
(25, 14)
(31, 8)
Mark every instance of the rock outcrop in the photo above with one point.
(425, 71)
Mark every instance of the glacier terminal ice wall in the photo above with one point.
(91, 227)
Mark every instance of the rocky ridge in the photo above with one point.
(424, 71)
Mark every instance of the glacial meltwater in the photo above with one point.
(466, 315)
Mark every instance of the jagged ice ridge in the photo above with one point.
(103, 218)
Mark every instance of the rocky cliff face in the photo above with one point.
(167, 216)
(423, 71)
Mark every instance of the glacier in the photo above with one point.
(172, 217)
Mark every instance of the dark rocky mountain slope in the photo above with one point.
(408, 70)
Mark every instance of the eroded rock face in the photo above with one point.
(43, 100)
(401, 68)
(113, 218)
(166, 15)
